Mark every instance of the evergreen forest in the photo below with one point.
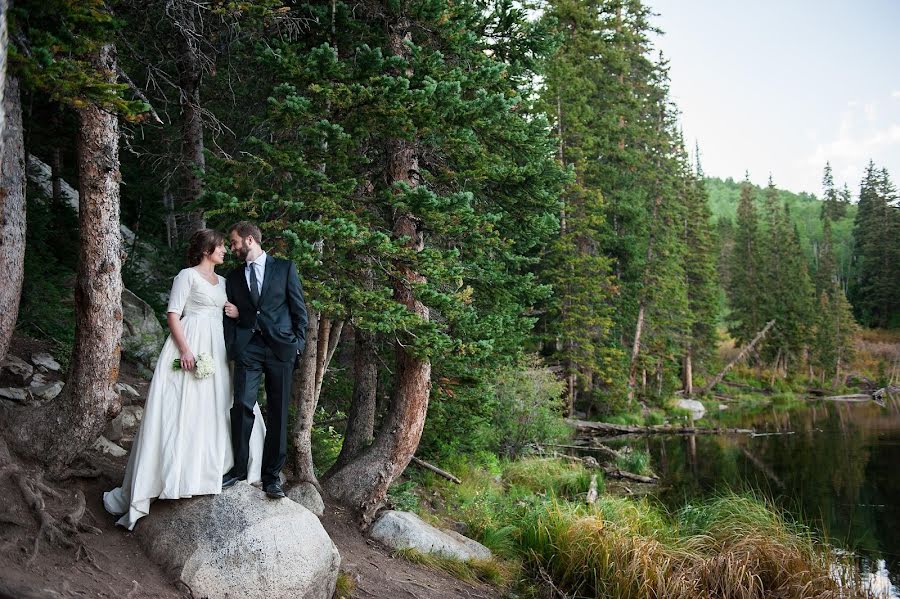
(499, 229)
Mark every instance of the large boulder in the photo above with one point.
(696, 409)
(240, 544)
(142, 335)
(405, 530)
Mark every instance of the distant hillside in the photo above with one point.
(805, 210)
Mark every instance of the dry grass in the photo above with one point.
(733, 547)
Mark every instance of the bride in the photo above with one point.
(183, 446)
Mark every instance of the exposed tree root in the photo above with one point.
(62, 531)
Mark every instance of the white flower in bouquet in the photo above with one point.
(203, 366)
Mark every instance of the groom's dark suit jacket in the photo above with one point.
(280, 316)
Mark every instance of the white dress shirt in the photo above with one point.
(260, 265)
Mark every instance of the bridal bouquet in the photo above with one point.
(203, 368)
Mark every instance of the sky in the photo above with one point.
(781, 87)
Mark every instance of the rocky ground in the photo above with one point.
(110, 563)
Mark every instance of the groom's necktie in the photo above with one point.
(254, 285)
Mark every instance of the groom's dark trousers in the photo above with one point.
(264, 341)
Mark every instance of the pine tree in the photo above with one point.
(579, 318)
(785, 288)
(835, 333)
(834, 202)
(700, 270)
(744, 291)
(478, 196)
(826, 270)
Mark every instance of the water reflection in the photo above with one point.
(835, 465)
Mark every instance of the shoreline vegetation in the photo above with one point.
(549, 541)
(560, 527)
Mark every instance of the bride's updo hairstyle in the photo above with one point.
(203, 242)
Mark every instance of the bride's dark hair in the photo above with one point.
(203, 242)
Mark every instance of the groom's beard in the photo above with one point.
(242, 252)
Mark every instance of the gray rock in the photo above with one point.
(477, 549)
(38, 380)
(48, 391)
(308, 496)
(239, 544)
(114, 430)
(106, 446)
(14, 370)
(127, 390)
(45, 362)
(142, 335)
(14, 394)
(140, 253)
(41, 176)
(404, 530)
(693, 406)
(131, 416)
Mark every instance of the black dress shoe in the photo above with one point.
(274, 490)
(229, 480)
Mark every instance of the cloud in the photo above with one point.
(863, 132)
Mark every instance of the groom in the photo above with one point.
(263, 335)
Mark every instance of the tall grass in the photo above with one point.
(732, 546)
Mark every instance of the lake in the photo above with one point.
(833, 465)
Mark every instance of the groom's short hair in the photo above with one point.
(246, 229)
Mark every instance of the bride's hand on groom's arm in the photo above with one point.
(231, 311)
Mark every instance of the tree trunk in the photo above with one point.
(12, 213)
(746, 349)
(635, 350)
(688, 372)
(324, 342)
(304, 400)
(363, 483)
(639, 325)
(57, 433)
(4, 41)
(361, 417)
(193, 162)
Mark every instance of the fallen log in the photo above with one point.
(435, 469)
(593, 446)
(609, 429)
(877, 396)
(741, 354)
(613, 472)
(851, 398)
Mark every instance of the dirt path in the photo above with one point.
(114, 566)
(378, 574)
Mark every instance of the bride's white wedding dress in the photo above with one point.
(183, 446)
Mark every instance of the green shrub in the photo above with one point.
(403, 498)
(636, 461)
(528, 410)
